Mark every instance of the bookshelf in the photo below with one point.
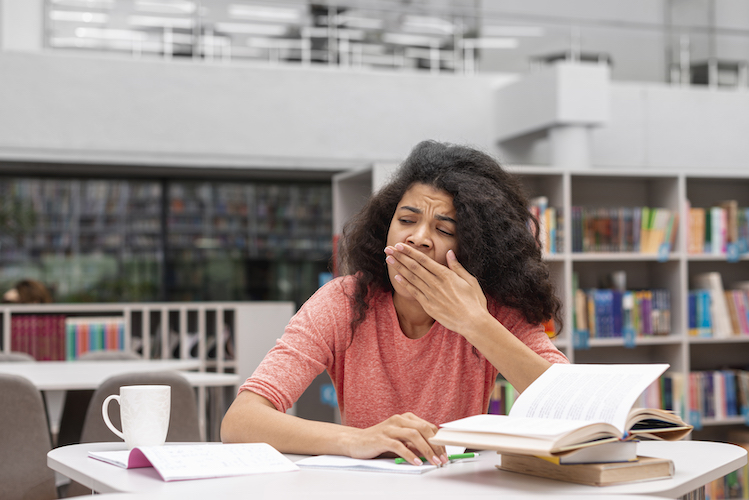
(672, 269)
(246, 330)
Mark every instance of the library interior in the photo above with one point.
(175, 176)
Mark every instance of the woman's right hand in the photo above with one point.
(405, 435)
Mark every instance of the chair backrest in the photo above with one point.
(108, 355)
(16, 356)
(183, 424)
(24, 442)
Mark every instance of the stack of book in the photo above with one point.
(711, 230)
(607, 313)
(716, 312)
(576, 423)
(84, 334)
(623, 229)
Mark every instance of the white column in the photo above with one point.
(569, 146)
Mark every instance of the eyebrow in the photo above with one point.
(415, 210)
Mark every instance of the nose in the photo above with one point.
(420, 238)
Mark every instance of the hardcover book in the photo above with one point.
(599, 474)
(570, 407)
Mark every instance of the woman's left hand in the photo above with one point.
(451, 295)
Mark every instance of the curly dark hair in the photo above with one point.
(495, 243)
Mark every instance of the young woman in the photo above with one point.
(443, 288)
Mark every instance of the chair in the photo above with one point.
(184, 425)
(77, 401)
(24, 442)
(16, 356)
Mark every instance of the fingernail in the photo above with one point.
(399, 246)
(445, 459)
(417, 461)
(388, 250)
(390, 260)
(451, 255)
(436, 461)
(398, 278)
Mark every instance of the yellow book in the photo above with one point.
(600, 474)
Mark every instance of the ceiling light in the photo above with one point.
(251, 29)
(166, 6)
(78, 17)
(161, 22)
(263, 13)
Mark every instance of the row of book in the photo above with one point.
(717, 394)
(551, 224)
(732, 486)
(716, 312)
(613, 313)
(502, 398)
(713, 230)
(623, 229)
(55, 337)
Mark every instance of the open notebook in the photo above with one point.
(176, 462)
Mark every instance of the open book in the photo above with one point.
(176, 462)
(567, 408)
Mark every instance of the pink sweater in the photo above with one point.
(437, 377)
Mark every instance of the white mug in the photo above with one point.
(144, 412)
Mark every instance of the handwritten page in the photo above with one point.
(199, 461)
(591, 393)
(368, 465)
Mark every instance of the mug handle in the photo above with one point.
(105, 414)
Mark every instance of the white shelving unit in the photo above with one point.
(247, 330)
(565, 188)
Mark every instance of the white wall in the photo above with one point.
(95, 108)
(21, 25)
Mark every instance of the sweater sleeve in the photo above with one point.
(306, 348)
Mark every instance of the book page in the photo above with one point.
(196, 461)
(592, 393)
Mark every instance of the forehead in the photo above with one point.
(421, 195)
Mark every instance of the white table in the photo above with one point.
(73, 375)
(697, 463)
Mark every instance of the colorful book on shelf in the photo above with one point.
(40, 335)
(594, 474)
(720, 319)
(610, 313)
(567, 408)
(176, 462)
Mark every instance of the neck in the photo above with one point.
(413, 320)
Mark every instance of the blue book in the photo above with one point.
(704, 317)
(603, 300)
(616, 313)
(692, 310)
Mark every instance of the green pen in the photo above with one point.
(457, 456)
